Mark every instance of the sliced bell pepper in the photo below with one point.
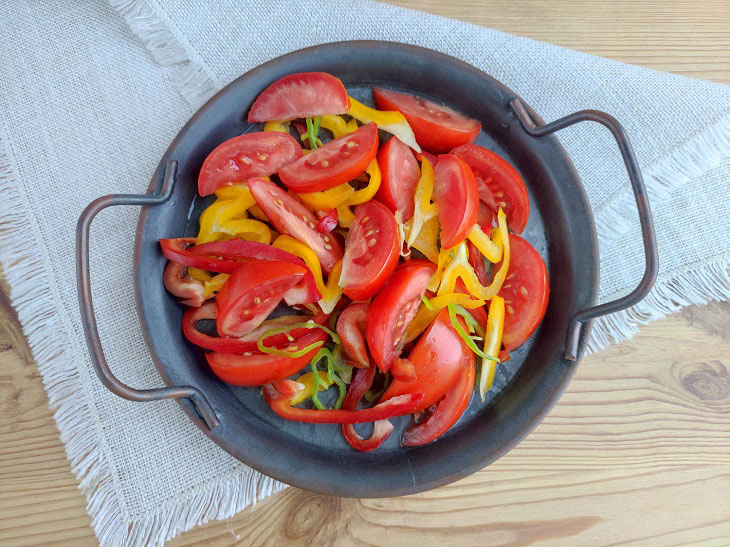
(277, 125)
(215, 283)
(427, 240)
(200, 275)
(424, 210)
(328, 199)
(459, 267)
(492, 344)
(392, 122)
(486, 246)
(367, 193)
(307, 380)
(236, 191)
(279, 393)
(332, 291)
(227, 215)
(337, 125)
(345, 215)
(443, 260)
(382, 429)
(259, 214)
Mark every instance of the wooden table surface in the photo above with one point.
(637, 450)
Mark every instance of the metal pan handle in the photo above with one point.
(88, 318)
(642, 204)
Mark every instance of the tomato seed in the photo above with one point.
(351, 144)
(523, 291)
(328, 246)
(324, 163)
(372, 243)
(510, 310)
(365, 219)
(279, 202)
(499, 194)
(263, 157)
(502, 204)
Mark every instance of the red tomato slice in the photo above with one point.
(289, 216)
(440, 357)
(457, 199)
(393, 308)
(252, 292)
(362, 379)
(506, 185)
(485, 216)
(372, 250)
(300, 96)
(241, 158)
(448, 411)
(178, 282)
(400, 173)
(476, 259)
(525, 292)
(258, 369)
(350, 327)
(437, 128)
(335, 163)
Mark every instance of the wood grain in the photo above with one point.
(637, 451)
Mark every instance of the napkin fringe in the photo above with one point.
(192, 81)
(695, 286)
(699, 154)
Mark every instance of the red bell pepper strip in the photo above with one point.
(328, 222)
(258, 369)
(477, 262)
(361, 382)
(226, 256)
(350, 327)
(279, 393)
(447, 411)
(246, 343)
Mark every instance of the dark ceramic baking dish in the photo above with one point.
(315, 457)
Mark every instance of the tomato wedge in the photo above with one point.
(506, 185)
(372, 250)
(251, 294)
(300, 96)
(456, 197)
(525, 292)
(258, 369)
(437, 128)
(178, 282)
(440, 358)
(241, 158)
(400, 173)
(394, 308)
(249, 341)
(289, 216)
(335, 163)
(350, 327)
(447, 411)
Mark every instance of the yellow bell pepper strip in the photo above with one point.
(492, 344)
(460, 267)
(443, 259)
(337, 125)
(427, 240)
(328, 199)
(367, 193)
(277, 125)
(345, 216)
(330, 292)
(425, 316)
(237, 191)
(486, 246)
(424, 210)
(256, 212)
(215, 283)
(307, 380)
(394, 123)
(224, 216)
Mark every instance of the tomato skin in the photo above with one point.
(350, 325)
(400, 173)
(300, 95)
(506, 184)
(397, 302)
(289, 216)
(328, 222)
(251, 293)
(477, 262)
(178, 282)
(524, 310)
(448, 410)
(437, 128)
(361, 381)
(372, 250)
(248, 342)
(258, 369)
(440, 357)
(337, 162)
(246, 156)
(456, 197)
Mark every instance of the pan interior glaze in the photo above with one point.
(316, 457)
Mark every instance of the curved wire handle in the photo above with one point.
(648, 235)
(86, 307)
